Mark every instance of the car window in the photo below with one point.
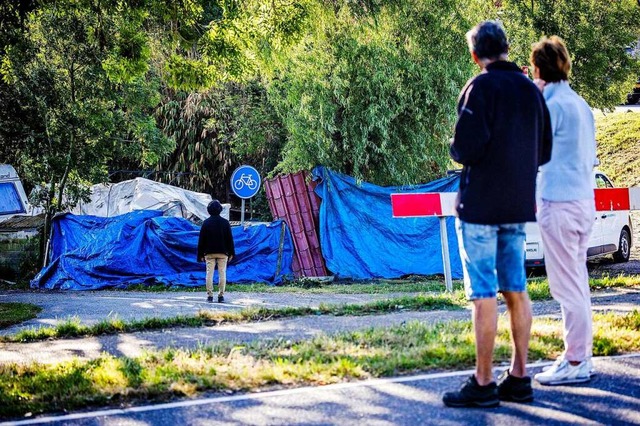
(603, 182)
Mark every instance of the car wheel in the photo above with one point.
(624, 249)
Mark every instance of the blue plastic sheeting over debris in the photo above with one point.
(361, 240)
(143, 247)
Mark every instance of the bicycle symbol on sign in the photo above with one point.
(245, 180)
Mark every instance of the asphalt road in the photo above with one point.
(611, 398)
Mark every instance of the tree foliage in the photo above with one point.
(209, 42)
(217, 130)
(82, 75)
(13, 114)
(372, 94)
(367, 87)
(597, 34)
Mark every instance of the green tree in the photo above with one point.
(204, 43)
(82, 73)
(596, 33)
(217, 130)
(13, 113)
(370, 91)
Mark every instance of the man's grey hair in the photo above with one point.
(488, 40)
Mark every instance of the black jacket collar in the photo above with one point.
(503, 66)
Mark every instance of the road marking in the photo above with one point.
(262, 395)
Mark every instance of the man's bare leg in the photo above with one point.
(520, 317)
(485, 323)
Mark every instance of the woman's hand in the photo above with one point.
(540, 83)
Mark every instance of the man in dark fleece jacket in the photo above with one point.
(215, 245)
(502, 135)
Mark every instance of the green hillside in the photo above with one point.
(618, 137)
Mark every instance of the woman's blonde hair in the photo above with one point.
(551, 57)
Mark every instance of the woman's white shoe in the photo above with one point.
(562, 372)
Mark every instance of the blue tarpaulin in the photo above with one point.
(143, 247)
(361, 240)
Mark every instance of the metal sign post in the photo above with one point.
(245, 183)
(444, 242)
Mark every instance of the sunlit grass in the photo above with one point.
(379, 352)
(618, 135)
(538, 288)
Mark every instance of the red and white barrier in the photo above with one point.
(442, 204)
(423, 204)
(438, 204)
(608, 199)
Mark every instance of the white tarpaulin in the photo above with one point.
(114, 199)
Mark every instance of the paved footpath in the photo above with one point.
(89, 307)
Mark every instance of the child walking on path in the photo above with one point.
(215, 246)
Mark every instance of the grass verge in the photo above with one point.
(14, 313)
(539, 287)
(618, 135)
(381, 352)
(310, 286)
(73, 327)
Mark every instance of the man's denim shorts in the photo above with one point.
(492, 258)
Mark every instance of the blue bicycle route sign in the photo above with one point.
(245, 181)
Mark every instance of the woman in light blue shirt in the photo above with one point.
(566, 209)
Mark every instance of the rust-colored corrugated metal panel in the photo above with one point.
(292, 199)
(275, 197)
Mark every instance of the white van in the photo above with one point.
(611, 233)
(13, 199)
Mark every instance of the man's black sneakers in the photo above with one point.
(516, 389)
(220, 299)
(210, 299)
(471, 394)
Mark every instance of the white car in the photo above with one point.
(611, 233)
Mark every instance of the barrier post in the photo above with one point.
(446, 262)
